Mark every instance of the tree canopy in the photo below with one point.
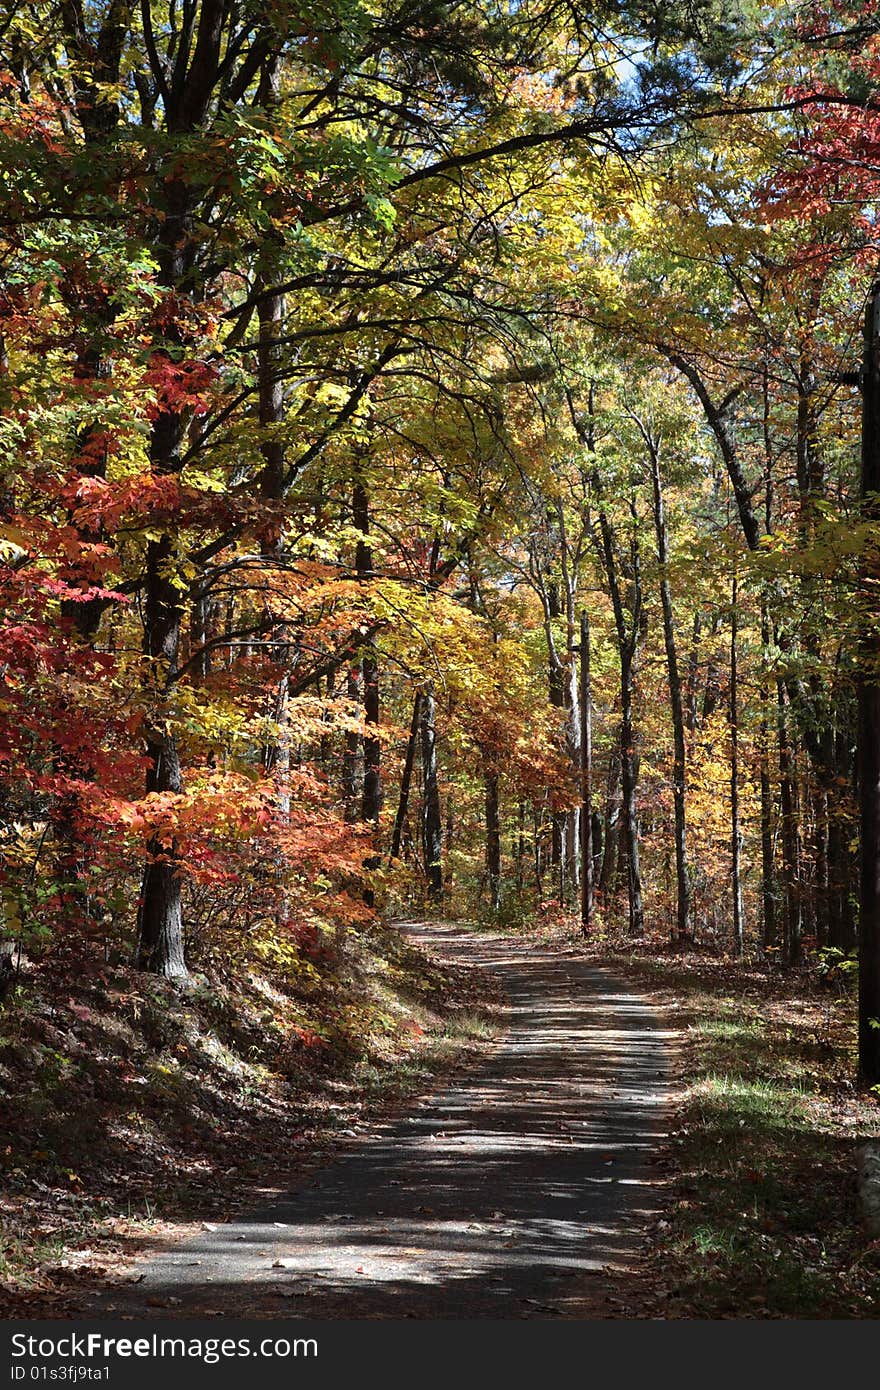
(348, 353)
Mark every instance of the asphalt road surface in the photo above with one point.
(503, 1197)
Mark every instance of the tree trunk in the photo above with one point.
(735, 827)
(770, 930)
(493, 840)
(842, 931)
(350, 753)
(271, 321)
(520, 845)
(548, 592)
(629, 778)
(608, 868)
(586, 750)
(682, 876)
(371, 791)
(160, 920)
(789, 837)
(406, 779)
(432, 825)
(160, 924)
(628, 636)
(869, 709)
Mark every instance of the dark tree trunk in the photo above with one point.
(325, 747)
(432, 824)
(520, 845)
(842, 931)
(789, 836)
(869, 710)
(199, 627)
(160, 934)
(350, 752)
(628, 636)
(493, 839)
(538, 856)
(683, 900)
(608, 868)
(718, 417)
(548, 591)
(770, 929)
(735, 827)
(769, 883)
(271, 388)
(371, 791)
(449, 841)
(586, 819)
(820, 850)
(270, 313)
(160, 921)
(629, 779)
(406, 779)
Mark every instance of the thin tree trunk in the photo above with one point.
(608, 868)
(406, 779)
(683, 898)
(769, 883)
(820, 844)
(869, 710)
(770, 927)
(520, 844)
(842, 931)
(548, 592)
(271, 401)
(493, 839)
(450, 840)
(627, 642)
(586, 819)
(628, 773)
(432, 824)
(789, 836)
(350, 752)
(735, 827)
(371, 790)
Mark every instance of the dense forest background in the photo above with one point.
(350, 354)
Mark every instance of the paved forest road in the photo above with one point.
(494, 1199)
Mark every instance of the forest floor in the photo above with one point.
(135, 1115)
(521, 1191)
(130, 1107)
(762, 1215)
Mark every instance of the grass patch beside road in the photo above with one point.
(764, 1216)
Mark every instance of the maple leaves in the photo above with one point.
(179, 386)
